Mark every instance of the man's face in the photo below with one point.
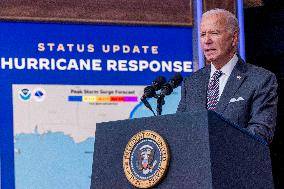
(217, 42)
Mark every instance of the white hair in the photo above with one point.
(232, 21)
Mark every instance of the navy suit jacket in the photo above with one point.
(249, 98)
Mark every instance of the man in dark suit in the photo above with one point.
(241, 92)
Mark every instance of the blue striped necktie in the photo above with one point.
(213, 90)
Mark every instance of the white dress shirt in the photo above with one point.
(227, 70)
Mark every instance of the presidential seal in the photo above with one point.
(145, 159)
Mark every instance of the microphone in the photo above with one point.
(150, 91)
(173, 83)
(167, 89)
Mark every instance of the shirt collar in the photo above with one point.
(227, 68)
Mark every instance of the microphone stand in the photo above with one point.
(160, 103)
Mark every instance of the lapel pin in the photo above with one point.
(239, 77)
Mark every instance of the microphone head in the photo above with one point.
(159, 82)
(149, 92)
(176, 80)
(166, 89)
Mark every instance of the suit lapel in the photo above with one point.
(203, 83)
(235, 80)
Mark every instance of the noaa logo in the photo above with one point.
(25, 94)
(39, 94)
(146, 159)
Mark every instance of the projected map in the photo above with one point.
(55, 125)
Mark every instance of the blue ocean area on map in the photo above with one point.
(55, 155)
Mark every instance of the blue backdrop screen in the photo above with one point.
(58, 80)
